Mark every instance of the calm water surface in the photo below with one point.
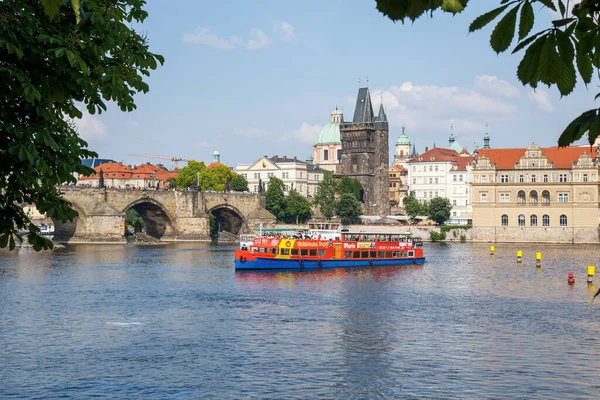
(179, 322)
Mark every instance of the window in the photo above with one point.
(414, 181)
(483, 178)
(453, 202)
(430, 168)
(533, 220)
(354, 162)
(325, 155)
(533, 178)
(313, 252)
(430, 180)
(414, 169)
(255, 188)
(294, 252)
(546, 198)
(436, 168)
(545, 178)
(504, 220)
(504, 178)
(533, 198)
(460, 178)
(562, 177)
(284, 252)
(521, 197)
(431, 195)
(256, 175)
(287, 188)
(563, 220)
(521, 178)
(436, 194)
(484, 197)
(521, 220)
(454, 213)
(504, 197)
(546, 220)
(563, 197)
(436, 180)
(339, 154)
(585, 177)
(454, 178)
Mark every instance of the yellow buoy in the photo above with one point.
(591, 270)
(519, 255)
(492, 249)
(538, 255)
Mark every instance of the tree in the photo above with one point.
(414, 207)
(171, 183)
(275, 198)
(188, 175)
(297, 208)
(348, 208)
(215, 178)
(57, 58)
(439, 209)
(133, 219)
(352, 186)
(551, 54)
(325, 196)
(239, 183)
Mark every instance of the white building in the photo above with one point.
(295, 174)
(327, 152)
(443, 173)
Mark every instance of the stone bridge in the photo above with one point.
(169, 215)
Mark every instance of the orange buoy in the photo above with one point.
(571, 279)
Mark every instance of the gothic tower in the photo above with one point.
(365, 153)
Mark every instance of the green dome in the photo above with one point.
(330, 134)
(336, 112)
(403, 139)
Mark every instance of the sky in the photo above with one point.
(261, 78)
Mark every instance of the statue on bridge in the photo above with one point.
(101, 179)
(260, 186)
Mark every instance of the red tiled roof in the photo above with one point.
(562, 157)
(437, 154)
(463, 162)
(464, 151)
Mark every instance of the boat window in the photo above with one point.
(388, 254)
(381, 254)
(373, 254)
(321, 252)
(356, 254)
(274, 250)
(347, 238)
(395, 238)
(347, 254)
(365, 254)
(294, 252)
(402, 254)
(384, 238)
(396, 254)
(304, 252)
(369, 238)
(411, 253)
(285, 252)
(313, 252)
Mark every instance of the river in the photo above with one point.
(177, 321)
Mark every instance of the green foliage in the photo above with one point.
(239, 183)
(463, 238)
(297, 208)
(351, 186)
(187, 176)
(171, 183)
(439, 209)
(275, 198)
(348, 208)
(215, 178)
(414, 207)
(437, 236)
(325, 196)
(448, 228)
(214, 226)
(133, 219)
(54, 61)
(553, 56)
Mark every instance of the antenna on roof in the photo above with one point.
(367, 81)
(359, 80)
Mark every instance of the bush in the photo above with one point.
(437, 237)
(448, 228)
(463, 238)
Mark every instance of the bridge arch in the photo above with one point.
(66, 231)
(159, 222)
(228, 218)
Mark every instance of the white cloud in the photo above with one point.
(495, 86)
(427, 108)
(205, 37)
(542, 99)
(307, 133)
(284, 30)
(250, 132)
(90, 127)
(257, 40)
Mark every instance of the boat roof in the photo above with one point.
(376, 233)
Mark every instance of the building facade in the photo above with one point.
(295, 174)
(398, 186)
(365, 153)
(536, 194)
(327, 151)
(117, 175)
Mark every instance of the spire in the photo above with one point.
(414, 151)
(382, 116)
(486, 137)
(451, 139)
(363, 112)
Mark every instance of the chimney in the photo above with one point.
(284, 158)
(276, 157)
(426, 149)
(295, 158)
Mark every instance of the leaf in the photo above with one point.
(503, 34)
(575, 130)
(486, 18)
(12, 243)
(51, 7)
(527, 72)
(77, 10)
(3, 240)
(526, 20)
(71, 57)
(563, 9)
(454, 6)
(525, 42)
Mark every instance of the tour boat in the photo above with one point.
(310, 249)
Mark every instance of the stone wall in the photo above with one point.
(536, 234)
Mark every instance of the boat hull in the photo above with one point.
(278, 263)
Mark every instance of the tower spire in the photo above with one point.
(451, 139)
(486, 137)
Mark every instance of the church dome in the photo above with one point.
(330, 134)
(403, 140)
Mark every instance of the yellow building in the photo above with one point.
(536, 194)
(398, 186)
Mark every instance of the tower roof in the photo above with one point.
(363, 112)
(381, 117)
(330, 134)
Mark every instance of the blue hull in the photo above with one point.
(279, 263)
